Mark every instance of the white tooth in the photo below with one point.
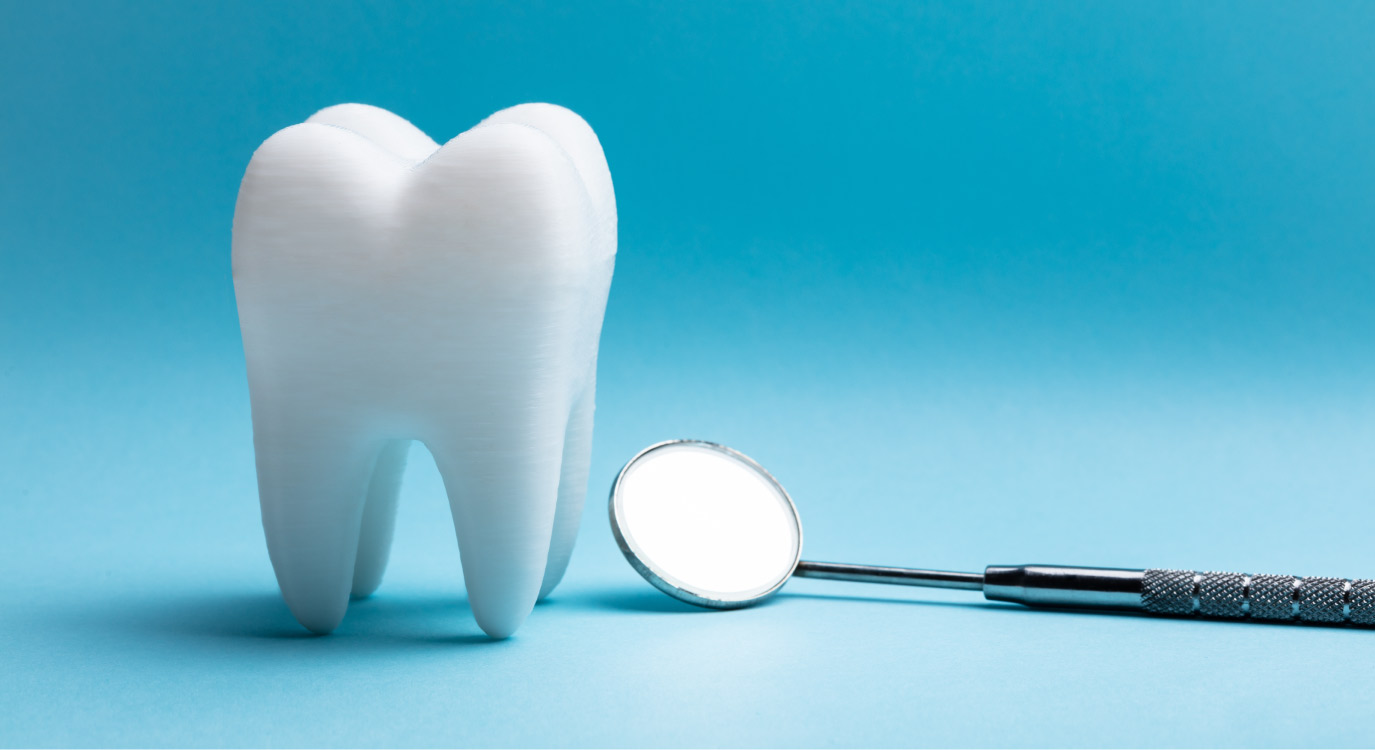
(387, 131)
(391, 290)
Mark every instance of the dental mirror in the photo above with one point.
(709, 526)
(705, 524)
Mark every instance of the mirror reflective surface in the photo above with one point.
(705, 523)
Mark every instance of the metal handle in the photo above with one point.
(1186, 592)
(1260, 597)
(1157, 591)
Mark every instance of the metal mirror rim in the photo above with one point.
(659, 582)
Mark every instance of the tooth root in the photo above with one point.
(312, 484)
(503, 491)
(577, 455)
(581, 144)
(379, 518)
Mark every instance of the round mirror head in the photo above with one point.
(705, 523)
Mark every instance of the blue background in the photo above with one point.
(980, 282)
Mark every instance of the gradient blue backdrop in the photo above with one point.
(980, 282)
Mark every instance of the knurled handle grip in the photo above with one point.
(1259, 597)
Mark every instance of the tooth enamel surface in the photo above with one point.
(392, 290)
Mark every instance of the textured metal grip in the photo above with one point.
(1321, 600)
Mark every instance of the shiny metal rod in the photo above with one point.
(935, 579)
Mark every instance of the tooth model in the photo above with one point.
(392, 290)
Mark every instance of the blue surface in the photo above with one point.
(980, 282)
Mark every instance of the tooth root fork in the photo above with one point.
(577, 456)
(312, 485)
(503, 492)
(379, 518)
